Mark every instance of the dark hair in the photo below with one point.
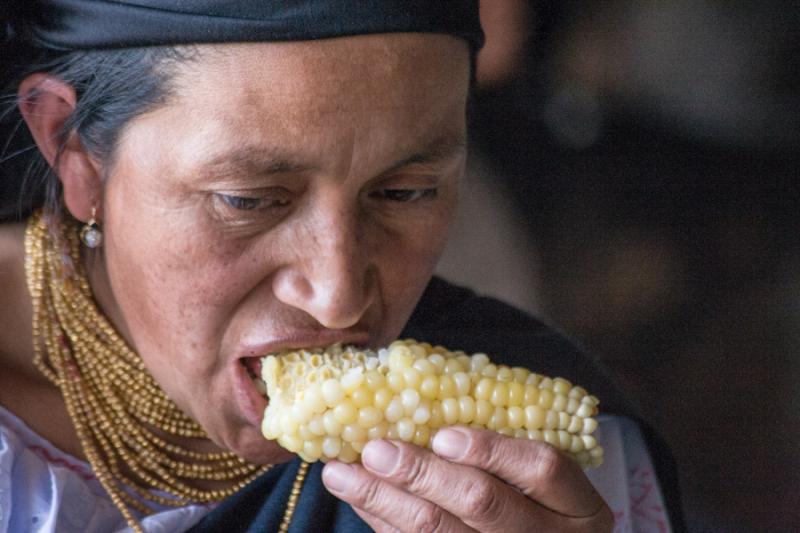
(112, 87)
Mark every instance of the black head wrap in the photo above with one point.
(97, 24)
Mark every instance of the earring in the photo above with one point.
(91, 235)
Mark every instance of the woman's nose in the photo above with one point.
(330, 278)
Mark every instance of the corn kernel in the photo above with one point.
(546, 397)
(410, 400)
(516, 417)
(483, 411)
(421, 414)
(394, 411)
(499, 419)
(332, 426)
(504, 374)
(429, 388)
(382, 398)
(411, 378)
(406, 429)
(354, 433)
(484, 388)
(375, 380)
(395, 380)
(437, 418)
(332, 392)
(462, 383)
(447, 387)
(369, 416)
(466, 409)
(516, 393)
(450, 411)
(346, 412)
(422, 435)
(351, 381)
(362, 396)
(379, 431)
(534, 417)
(499, 394)
(331, 446)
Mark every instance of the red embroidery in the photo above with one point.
(646, 513)
(43, 453)
(649, 514)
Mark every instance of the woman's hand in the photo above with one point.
(476, 480)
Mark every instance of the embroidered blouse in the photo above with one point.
(43, 489)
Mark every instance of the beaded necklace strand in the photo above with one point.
(119, 412)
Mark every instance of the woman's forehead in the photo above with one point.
(368, 101)
(330, 67)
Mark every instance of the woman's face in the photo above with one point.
(288, 195)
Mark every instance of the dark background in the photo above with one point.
(651, 149)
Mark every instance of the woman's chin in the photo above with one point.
(259, 450)
(272, 457)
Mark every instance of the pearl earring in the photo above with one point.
(91, 235)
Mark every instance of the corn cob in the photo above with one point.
(327, 403)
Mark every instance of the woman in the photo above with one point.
(237, 179)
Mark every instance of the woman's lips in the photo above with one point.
(301, 339)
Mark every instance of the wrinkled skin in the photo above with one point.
(299, 194)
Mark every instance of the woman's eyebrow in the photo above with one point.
(256, 160)
(441, 149)
(250, 160)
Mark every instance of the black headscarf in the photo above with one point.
(98, 24)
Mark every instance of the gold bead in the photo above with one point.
(120, 413)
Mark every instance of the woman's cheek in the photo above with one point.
(172, 289)
(408, 265)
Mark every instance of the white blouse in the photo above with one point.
(627, 480)
(43, 489)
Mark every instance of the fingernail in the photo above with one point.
(380, 455)
(337, 476)
(450, 443)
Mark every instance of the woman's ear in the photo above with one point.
(46, 103)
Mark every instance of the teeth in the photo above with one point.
(261, 387)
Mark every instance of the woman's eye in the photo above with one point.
(407, 195)
(247, 203)
(241, 203)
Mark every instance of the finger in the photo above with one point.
(399, 509)
(376, 523)
(537, 469)
(473, 496)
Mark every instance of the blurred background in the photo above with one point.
(635, 182)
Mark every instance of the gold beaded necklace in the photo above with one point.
(121, 415)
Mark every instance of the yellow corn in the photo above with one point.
(327, 403)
